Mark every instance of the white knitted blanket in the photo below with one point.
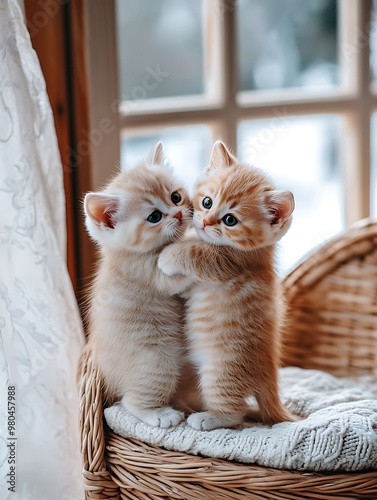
(339, 433)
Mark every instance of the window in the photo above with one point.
(301, 153)
(289, 85)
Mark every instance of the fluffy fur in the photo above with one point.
(234, 310)
(135, 318)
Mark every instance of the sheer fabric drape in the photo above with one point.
(41, 332)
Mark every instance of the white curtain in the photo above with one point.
(41, 332)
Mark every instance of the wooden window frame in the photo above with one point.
(354, 102)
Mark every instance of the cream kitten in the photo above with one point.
(135, 319)
(235, 309)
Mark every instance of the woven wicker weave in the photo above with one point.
(332, 298)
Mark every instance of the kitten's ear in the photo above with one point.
(102, 208)
(220, 156)
(156, 156)
(280, 205)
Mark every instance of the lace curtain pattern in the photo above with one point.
(40, 329)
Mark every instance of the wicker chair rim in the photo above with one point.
(358, 240)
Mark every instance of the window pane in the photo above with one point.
(287, 43)
(373, 41)
(187, 149)
(301, 154)
(160, 48)
(373, 183)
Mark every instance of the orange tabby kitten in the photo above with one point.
(234, 310)
(135, 321)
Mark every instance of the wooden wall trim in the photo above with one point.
(80, 152)
(103, 88)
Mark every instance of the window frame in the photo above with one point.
(355, 102)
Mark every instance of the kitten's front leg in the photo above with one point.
(200, 260)
(172, 259)
(173, 282)
(172, 285)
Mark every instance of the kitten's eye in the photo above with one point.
(176, 197)
(154, 217)
(229, 220)
(207, 202)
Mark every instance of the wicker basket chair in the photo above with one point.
(332, 297)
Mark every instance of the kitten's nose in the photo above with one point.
(206, 223)
(178, 216)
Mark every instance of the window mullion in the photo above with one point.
(365, 109)
(230, 72)
(356, 146)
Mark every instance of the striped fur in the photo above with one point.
(235, 309)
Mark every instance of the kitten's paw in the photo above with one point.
(206, 421)
(156, 417)
(164, 417)
(167, 262)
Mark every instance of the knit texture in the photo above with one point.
(338, 433)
